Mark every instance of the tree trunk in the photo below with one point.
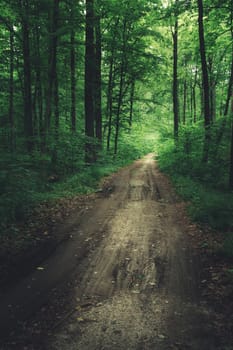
(55, 73)
(191, 102)
(185, 102)
(111, 78)
(39, 85)
(98, 82)
(131, 102)
(205, 82)
(229, 91)
(38, 95)
(109, 102)
(11, 93)
(194, 98)
(72, 72)
(231, 156)
(229, 94)
(212, 85)
(120, 95)
(175, 79)
(53, 20)
(28, 118)
(89, 82)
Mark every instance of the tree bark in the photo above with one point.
(52, 67)
(72, 72)
(120, 95)
(194, 98)
(229, 91)
(109, 101)
(175, 79)
(11, 93)
(185, 102)
(55, 73)
(231, 155)
(132, 91)
(111, 77)
(89, 82)
(28, 118)
(38, 95)
(98, 82)
(205, 81)
(229, 94)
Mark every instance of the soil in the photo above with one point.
(130, 275)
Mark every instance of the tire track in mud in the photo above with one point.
(141, 282)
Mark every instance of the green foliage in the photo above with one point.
(26, 180)
(19, 182)
(203, 184)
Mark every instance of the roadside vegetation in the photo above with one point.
(204, 185)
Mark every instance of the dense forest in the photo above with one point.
(88, 86)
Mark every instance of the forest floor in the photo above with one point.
(127, 271)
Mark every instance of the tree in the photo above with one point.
(98, 80)
(175, 73)
(72, 68)
(89, 81)
(205, 80)
(28, 117)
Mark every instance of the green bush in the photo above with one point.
(203, 184)
(18, 185)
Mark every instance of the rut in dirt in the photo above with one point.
(127, 278)
(139, 288)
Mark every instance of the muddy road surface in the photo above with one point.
(128, 274)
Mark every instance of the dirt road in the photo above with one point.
(136, 286)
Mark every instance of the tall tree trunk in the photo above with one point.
(72, 72)
(98, 82)
(109, 101)
(191, 102)
(111, 77)
(213, 101)
(132, 91)
(53, 22)
(119, 104)
(205, 81)
(175, 78)
(38, 96)
(56, 85)
(229, 94)
(120, 95)
(194, 98)
(230, 84)
(212, 85)
(231, 156)
(185, 102)
(28, 118)
(89, 82)
(11, 93)
(39, 84)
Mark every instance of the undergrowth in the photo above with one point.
(26, 180)
(203, 185)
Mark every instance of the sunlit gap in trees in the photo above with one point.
(165, 3)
